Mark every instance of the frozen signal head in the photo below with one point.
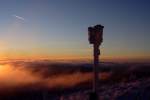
(95, 34)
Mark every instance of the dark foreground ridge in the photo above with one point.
(135, 90)
(120, 82)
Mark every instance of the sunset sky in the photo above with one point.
(51, 29)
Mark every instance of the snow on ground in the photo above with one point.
(135, 90)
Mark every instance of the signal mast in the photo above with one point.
(95, 34)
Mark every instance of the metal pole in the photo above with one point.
(94, 95)
(95, 69)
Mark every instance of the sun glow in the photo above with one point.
(10, 76)
(18, 76)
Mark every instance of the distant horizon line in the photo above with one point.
(82, 59)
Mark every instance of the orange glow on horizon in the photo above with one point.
(79, 58)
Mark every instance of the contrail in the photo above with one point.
(18, 17)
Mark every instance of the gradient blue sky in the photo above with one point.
(58, 28)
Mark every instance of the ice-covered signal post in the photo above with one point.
(96, 38)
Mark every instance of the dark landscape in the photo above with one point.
(46, 80)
